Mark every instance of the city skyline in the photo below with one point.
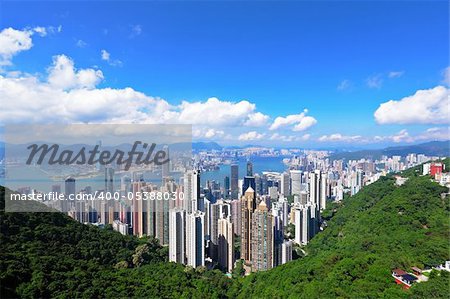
(299, 73)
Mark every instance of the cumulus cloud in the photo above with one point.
(13, 41)
(430, 106)
(215, 112)
(300, 121)
(69, 94)
(256, 120)
(249, 136)
(207, 133)
(63, 75)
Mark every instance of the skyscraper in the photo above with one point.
(249, 168)
(249, 181)
(70, 191)
(296, 182)
(226, 244)
(285, 184)
(248, 204)
(166, 166)
(177, 220)
(195, 249)
(191, 190)
(226, 187)
(109, 179)
(262, 242)
(236, 212)
(234, 187)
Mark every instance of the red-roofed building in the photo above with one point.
(436, 168)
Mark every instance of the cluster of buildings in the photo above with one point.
(246, 217)
(436, 170)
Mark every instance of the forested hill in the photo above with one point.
(382, 227)
(45, 255)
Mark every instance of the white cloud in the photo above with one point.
(207, 133)
(215, 112)
(106, 56)
(403, 135)
(249, 136)
(430, 106)
(256, 120)
(344, 85)
(71, 95)
(395, 74)
(301, 121)
(374, 81)
(63, 75)
(305, 123)
(339, 137)
(41, 31)
(13, 41)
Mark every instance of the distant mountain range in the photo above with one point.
(433, 148)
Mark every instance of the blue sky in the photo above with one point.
(339, 60)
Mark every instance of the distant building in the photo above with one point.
(436, 168)
(249, 168)
(234, 181)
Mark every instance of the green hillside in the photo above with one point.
(381, 228)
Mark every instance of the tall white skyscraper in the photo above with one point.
(301, 224)
(191, 190)
(306, 222)
(296, 181)
(177, 218)
(195, 249)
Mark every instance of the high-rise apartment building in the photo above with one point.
(177, 219)
(262, 242)
(226, 244)
(248, 206)
(195, 249)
